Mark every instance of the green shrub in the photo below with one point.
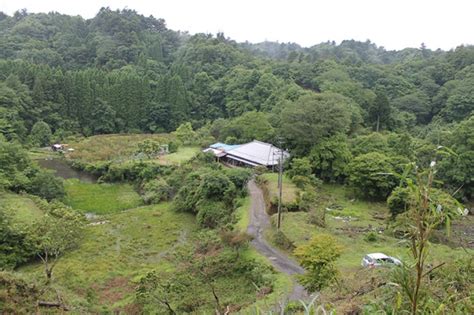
(301, 181)
(282, 241)
(45, 185)
(212, 214)
(239, 176)
(319, 257)
(173, 146)
(398, 201)
(156, 190)
(304, 182)
(131, 171)
(259, 170)
(371, 237)
(372, 175)
(300, 167)
(41, 134)
(317, 217)
(16, 246)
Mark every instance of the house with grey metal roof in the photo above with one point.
(255, 153)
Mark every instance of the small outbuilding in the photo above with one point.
(57, 147)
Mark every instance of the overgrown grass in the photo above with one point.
(100, 198)
(242, 214)
(102, 273)
(41, 153)
(116, 147)
(282, 284)
(22, 209)
(289, 192)
(182, 155)
(349, 221)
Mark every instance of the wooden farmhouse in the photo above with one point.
(255, 153)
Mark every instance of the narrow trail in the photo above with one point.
(259, 222)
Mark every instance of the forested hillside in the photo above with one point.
(123, 72)
(354, 116)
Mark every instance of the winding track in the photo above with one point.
(259, 221)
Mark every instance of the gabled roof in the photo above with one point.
(216, 152)
(257, 152)
(223, 146)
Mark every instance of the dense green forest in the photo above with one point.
(351, 114)
(123, 72)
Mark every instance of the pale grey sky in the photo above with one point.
(394, 24)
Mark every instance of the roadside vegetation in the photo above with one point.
(357, 227)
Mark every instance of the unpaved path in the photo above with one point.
(259, 221)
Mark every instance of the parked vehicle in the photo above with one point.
(378, 260)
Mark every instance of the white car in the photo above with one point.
(378, 260)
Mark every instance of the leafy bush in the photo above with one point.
(319, 257)
(173, 146)
(209, 194)
(15, 166)
(156, 190)
(131, 171)
(239, 176)
(304, 182)
(235, 239)
(18, 173)
(185, 134)
(371, 236)
(259, 170)
(187, 196)
(300, 167)
(330, 157)
(45, 185)
(212, 214)
(282, 241)
(398, 201)
(16, 246)
(41, 134)
(372, 175)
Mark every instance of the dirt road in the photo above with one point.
(259, 221)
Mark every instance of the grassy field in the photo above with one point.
(112, 256)
(100, 198)
(102, 274)
(116, 147)
(22, 209)
(242, 214)
(41, 153)
(349, 221)
(289, 193)
(122, 148)
(182, 155)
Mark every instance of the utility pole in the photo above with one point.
(280, 186)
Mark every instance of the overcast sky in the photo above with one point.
(394, 24)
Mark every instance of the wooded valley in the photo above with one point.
(382, 159)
